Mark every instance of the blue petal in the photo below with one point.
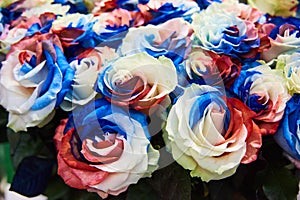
(287, 135)
(197, 110)
(51, 86)
(67, 72)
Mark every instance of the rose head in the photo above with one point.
(170, 39)
(36, 76)
(283, 8)
(209, 68)
(104, 149)
(287, 135)
(224, 32)
(264, 92)
(164, 10)
(210, 134)
(74, 29)
(134, 82)
(290, 64)
(111, 27)
(283, 34)
(82, 88)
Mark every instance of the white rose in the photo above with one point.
(289, 64)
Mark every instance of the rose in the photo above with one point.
(263, 91)
(133, 81)
(10, 37)
(164, 10)
(117, 17)
(289, 64)
(206, 67)
(82, 91)
(278, 7)
(38, 19)
(56, 9)
(33, 81)
(111, 27)
(104, 6)
(223, 31)
(76, 20)
(87, 67)
(104, 149)
(170, 39)
(78, 6)
(210, 134)
(287, 135)
(16, 31)
(243, 11)
(74, 30)
(283, 35)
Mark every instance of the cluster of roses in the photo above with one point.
(220, 75)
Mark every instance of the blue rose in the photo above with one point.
(288, 134)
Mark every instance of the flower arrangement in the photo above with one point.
(152, 99)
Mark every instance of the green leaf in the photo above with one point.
(3, 122)
(141, 190)
(221, 189)
(280, 184)
(23, 145)
(56, 189)
(6, 167)
(75, 194)
(172, 182)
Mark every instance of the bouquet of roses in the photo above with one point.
(152, 99)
